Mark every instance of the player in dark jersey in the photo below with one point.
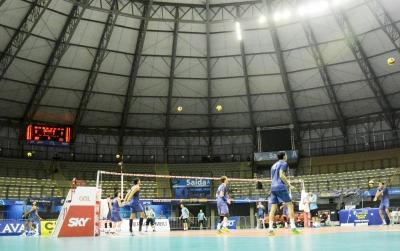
(108, 218)
(280, 193)
(222, 204)
(385, 202)
(133, 196)
(116, 217)
(33, 219)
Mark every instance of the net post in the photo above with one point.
(97, 179)
(122, 185)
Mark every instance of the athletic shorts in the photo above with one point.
(149, 221)
(280, 196)
(201, 222)
(109, 215)
(116, 216)
(184, 220)
(261, 216)
(222, 208)
(136, 208)
(314, 213)
(384, 205)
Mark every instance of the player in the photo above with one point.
(116, 217)
(261, 214)
(201, 218)
(133, 196)
(312, 201)
(108, 218)
(33, 218)
(285, 213)
(153, 216)
(280, 193)
(184, 216)
(222, 204)
(149, 217)
(384, 192)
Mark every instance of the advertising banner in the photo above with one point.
(272, 156)
(162, 225)
(233, 223)
(8, 228)
(191, 183)
(47, 227)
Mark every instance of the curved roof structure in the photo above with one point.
(131, 64)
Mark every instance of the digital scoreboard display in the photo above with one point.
(48, 135)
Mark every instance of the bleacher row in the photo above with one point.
(22, 177)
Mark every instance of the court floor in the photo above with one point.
(326, 239)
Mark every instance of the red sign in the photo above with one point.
(78, 222)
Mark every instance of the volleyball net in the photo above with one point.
(166, 182)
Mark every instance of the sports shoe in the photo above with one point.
(23, 234)
(154, 230)
(383, 224)
(271, 233)
(132, 234)
(219, 232)
(391, 223)
(145, 230)
(226, 230)
(36, 234)
(295, 231)
(142, 233)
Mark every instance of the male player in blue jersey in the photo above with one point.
(222, 204)
(133, 196)
(384, 192)
(280, 193)
(33, 219)
(201, 217)
(260, 216)
(184, 217)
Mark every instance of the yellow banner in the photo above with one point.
(47, 227)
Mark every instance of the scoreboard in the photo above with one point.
(48, 135)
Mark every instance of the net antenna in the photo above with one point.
(122, 176)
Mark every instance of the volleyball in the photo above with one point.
(371, 183)
(391, 61)
(117, 156)
(219, 108)
(29, 154)
(180, 108)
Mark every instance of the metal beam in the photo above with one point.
(98, 60)
(1, 2)
(60, 48)
(247, 85)
(188, 13)
(171, 85)
(366, 68)
(387, 24)
(209, 105)
(282, 67)
(324, 75)
(134, 70)
(22, 34)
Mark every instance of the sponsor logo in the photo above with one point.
(84, 198)
(11, 228)
(78, 222)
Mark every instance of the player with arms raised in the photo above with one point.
(280, 193)
(384, 192)
(222, 204)
(133, 196)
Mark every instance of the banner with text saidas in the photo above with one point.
(272, 156)
(191, 183)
